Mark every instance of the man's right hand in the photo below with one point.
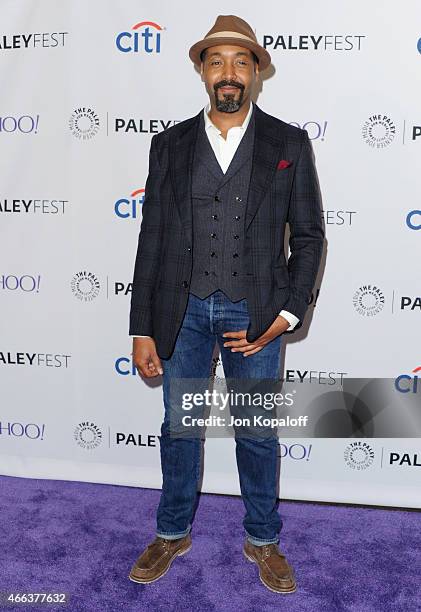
(146, 358)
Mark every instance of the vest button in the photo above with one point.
(214, 216)
(213, 235)
(217, 199)
(236, 236)
(189, 249)
(185, 284)
(235, 255)
(237, 217)
(206, 272)
(234, 273)
(238, 199)
(213, 254)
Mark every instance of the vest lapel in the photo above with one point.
(205, 152)
(242, 154)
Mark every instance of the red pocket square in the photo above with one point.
(283, 163)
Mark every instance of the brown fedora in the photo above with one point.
(230, 30)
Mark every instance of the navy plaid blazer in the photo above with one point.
(277, 196)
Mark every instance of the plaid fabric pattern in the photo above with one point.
(277, 196)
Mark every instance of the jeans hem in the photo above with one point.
(172, 535)
(260, 541)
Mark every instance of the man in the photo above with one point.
(210, 266)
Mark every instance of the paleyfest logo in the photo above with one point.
(378, 131)
(85, 286)
(84, 123)
(145, 37)
(88, 435)
(359, 455)
(368, 300)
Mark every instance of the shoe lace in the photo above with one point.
(267, 549)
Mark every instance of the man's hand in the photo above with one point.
(146, 358)
(278, 327)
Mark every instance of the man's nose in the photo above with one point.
(229, 72)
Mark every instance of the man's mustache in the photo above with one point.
(227, 83)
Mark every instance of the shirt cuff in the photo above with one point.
(291, 318)
(134, 336)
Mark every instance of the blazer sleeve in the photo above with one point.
(306, 231)
(148, 251)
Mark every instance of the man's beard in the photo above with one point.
(229, 104)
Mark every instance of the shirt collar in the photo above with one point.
(210, 125)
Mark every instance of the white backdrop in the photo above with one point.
(84, 85)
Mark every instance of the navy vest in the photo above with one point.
(219, 203)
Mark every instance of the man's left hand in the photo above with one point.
(242, 345)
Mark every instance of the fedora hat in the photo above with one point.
(230, 30)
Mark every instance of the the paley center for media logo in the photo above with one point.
(359, 455)
(87, 435)
(378, 131)
(368, 300)
(84, 123)
(85, 286)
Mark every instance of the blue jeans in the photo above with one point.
(204, 322)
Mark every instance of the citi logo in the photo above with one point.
(145, 36)
(413, 219)
(130, 207)
(405, 383)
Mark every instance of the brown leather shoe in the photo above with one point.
(274, 570)
(157, 557)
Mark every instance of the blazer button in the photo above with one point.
(214, 216)
(213, 254)
(206, 272)
(235, 255)
(234, 273)
(213, 235)
(217, 199)
(236, 236)
(237, 217)
(185, 284)
(189, 249)
(238, 199)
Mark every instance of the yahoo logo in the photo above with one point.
(33, 431)
(125, 207)
(145, 36)
(25, 282)
(315, 130)
(295, 451)
(25, 124)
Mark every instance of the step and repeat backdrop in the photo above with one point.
(84, 86)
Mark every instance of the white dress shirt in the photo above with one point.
(224, 150)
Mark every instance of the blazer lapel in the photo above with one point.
(269, 148)
(181, 152)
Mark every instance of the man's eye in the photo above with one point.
(215, 62)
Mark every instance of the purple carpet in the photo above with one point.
(82, 539)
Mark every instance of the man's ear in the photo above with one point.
(201, 71)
